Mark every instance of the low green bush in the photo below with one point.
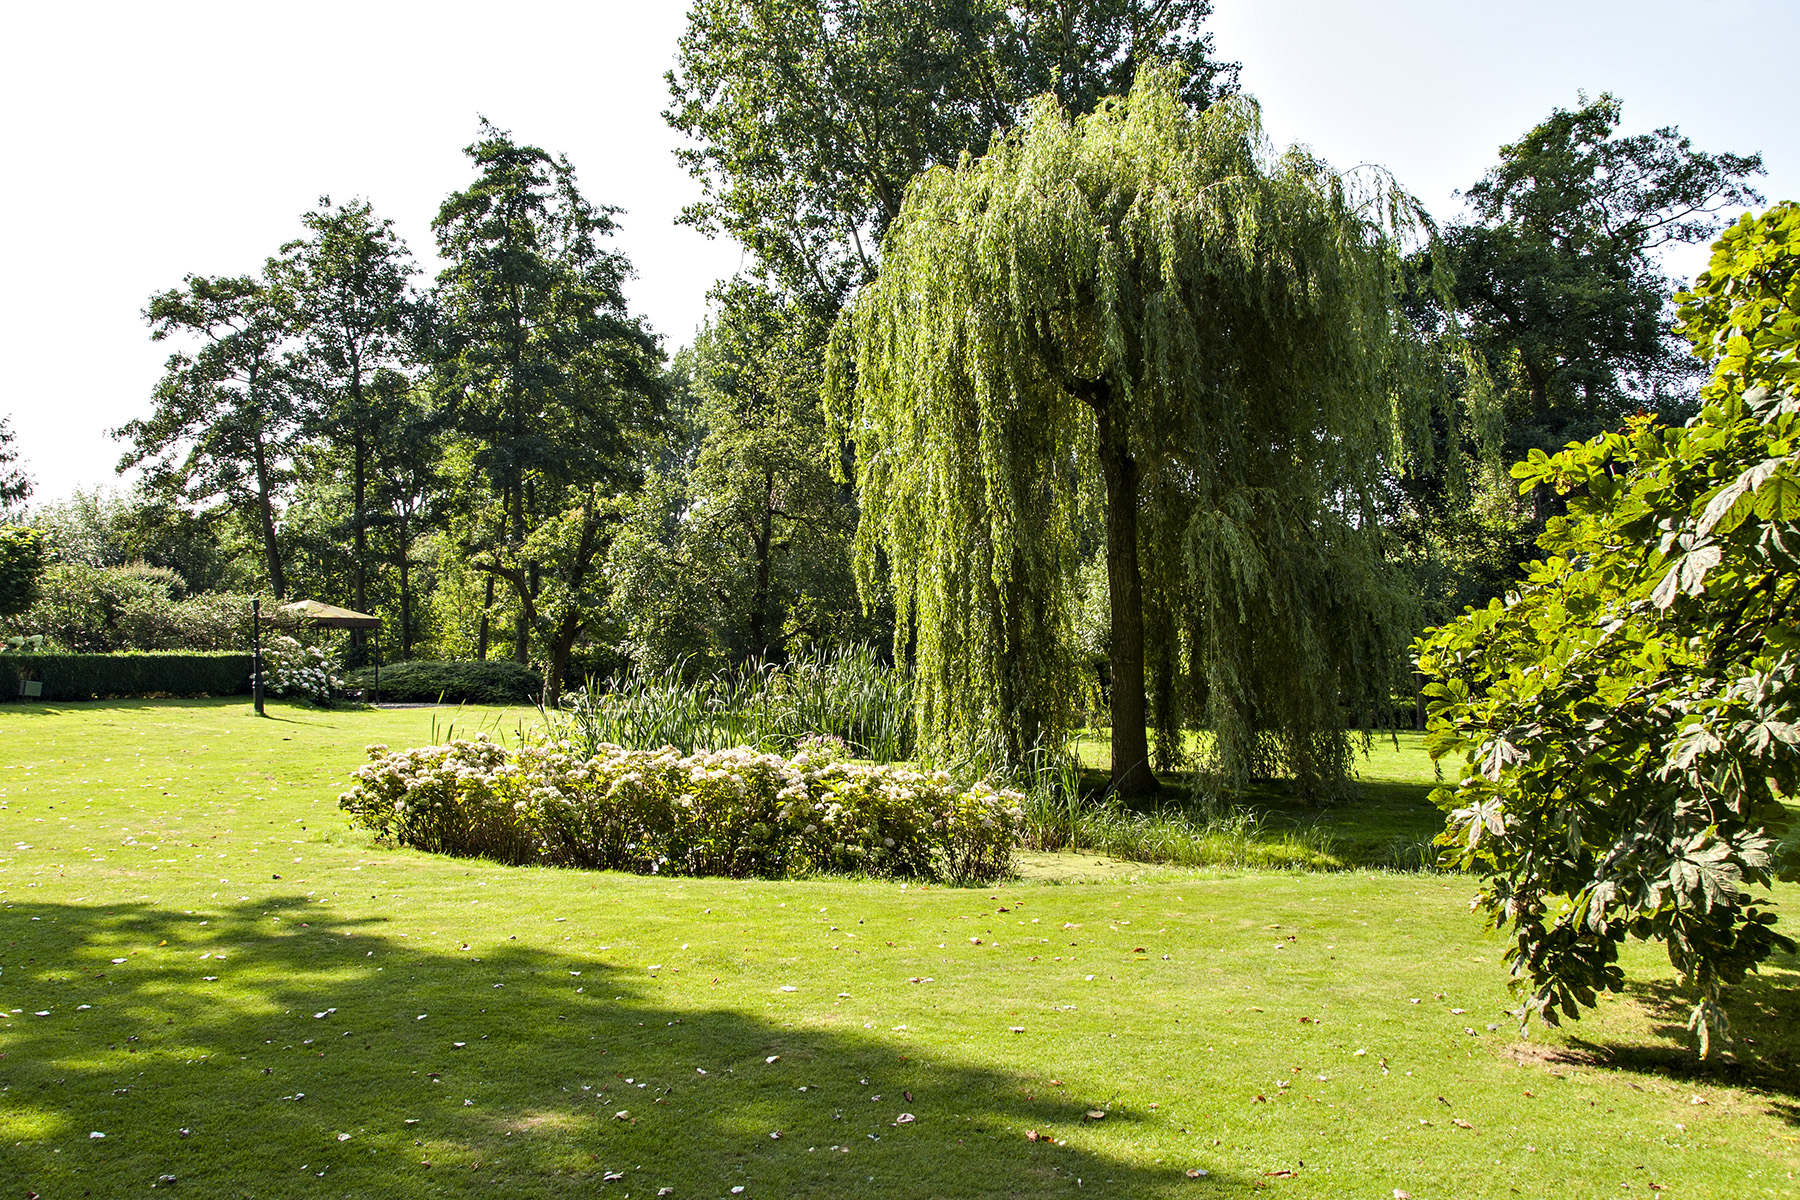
(732, 812)
(91, 676)
(424, 682)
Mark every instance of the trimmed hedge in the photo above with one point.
(93, 676)
(421, 681)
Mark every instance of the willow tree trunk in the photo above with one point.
(1131, 773)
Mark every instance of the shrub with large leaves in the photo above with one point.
(1628, 719)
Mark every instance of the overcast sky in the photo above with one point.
(151, 141)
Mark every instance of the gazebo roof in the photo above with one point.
(330, 616)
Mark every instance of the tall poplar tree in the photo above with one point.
(1145, 320)
(352, 308)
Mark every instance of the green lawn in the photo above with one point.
(202, 962)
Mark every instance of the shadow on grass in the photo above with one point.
(1765, 1025)
(326, 1057)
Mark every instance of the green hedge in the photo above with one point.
(424, 682)
(90, 676)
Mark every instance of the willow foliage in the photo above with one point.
(1140, 320)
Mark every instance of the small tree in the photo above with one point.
(1627, 718)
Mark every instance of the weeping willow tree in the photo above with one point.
(1141, 326)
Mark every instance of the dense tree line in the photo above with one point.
(1177, 455)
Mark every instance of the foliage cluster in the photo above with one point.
(426, 681)
(21, 566)
(94, 676)
(100, 610)
(848, 694)
(728, 812)
(1628, 720)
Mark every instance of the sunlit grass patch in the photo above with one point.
(348, 982)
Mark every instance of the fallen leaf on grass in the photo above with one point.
(1460, 1123)
(905, 1119)
(1284, 1173)
(1196, 1173)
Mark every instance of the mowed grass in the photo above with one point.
(201, 961)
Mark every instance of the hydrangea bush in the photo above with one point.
(303, 672)
(726, 812)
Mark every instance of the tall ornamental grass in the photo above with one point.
(848, 694)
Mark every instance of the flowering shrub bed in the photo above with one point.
(726, 812)
(303, 672)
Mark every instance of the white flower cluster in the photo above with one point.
(727, 812)
(304, 672)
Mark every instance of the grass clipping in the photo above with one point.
(730, 812)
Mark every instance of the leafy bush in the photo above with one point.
(21, 565)
(729, 812)
(89, 676)
(425, 682)
(1628, 720)
(98, 610)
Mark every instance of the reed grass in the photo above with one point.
(846, 693)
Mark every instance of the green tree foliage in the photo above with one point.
(1556, 270)
(100, 527)
(740, 550)
(21, 565)
(811, 117)
(354, 314)
(1558, 286)
(1629, 720)
(229, 416)
(15, 484)
(1143, 314)
(542, 372)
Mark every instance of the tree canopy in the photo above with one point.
(1628, 720)
(1556, 269)
(542, 371)
(1142, 321)
(810, 118)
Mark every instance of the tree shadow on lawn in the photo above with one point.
(470, 1071)
(1765, 1026)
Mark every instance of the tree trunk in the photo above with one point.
(359, 571)
(1131, 773)
(762, 540)
(487, 602)
(405, 533)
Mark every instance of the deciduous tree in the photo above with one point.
(348, 283)
(229, 416)
(1628, 721)
(540, 368)
(1144, 315)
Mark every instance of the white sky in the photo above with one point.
(154, 140)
